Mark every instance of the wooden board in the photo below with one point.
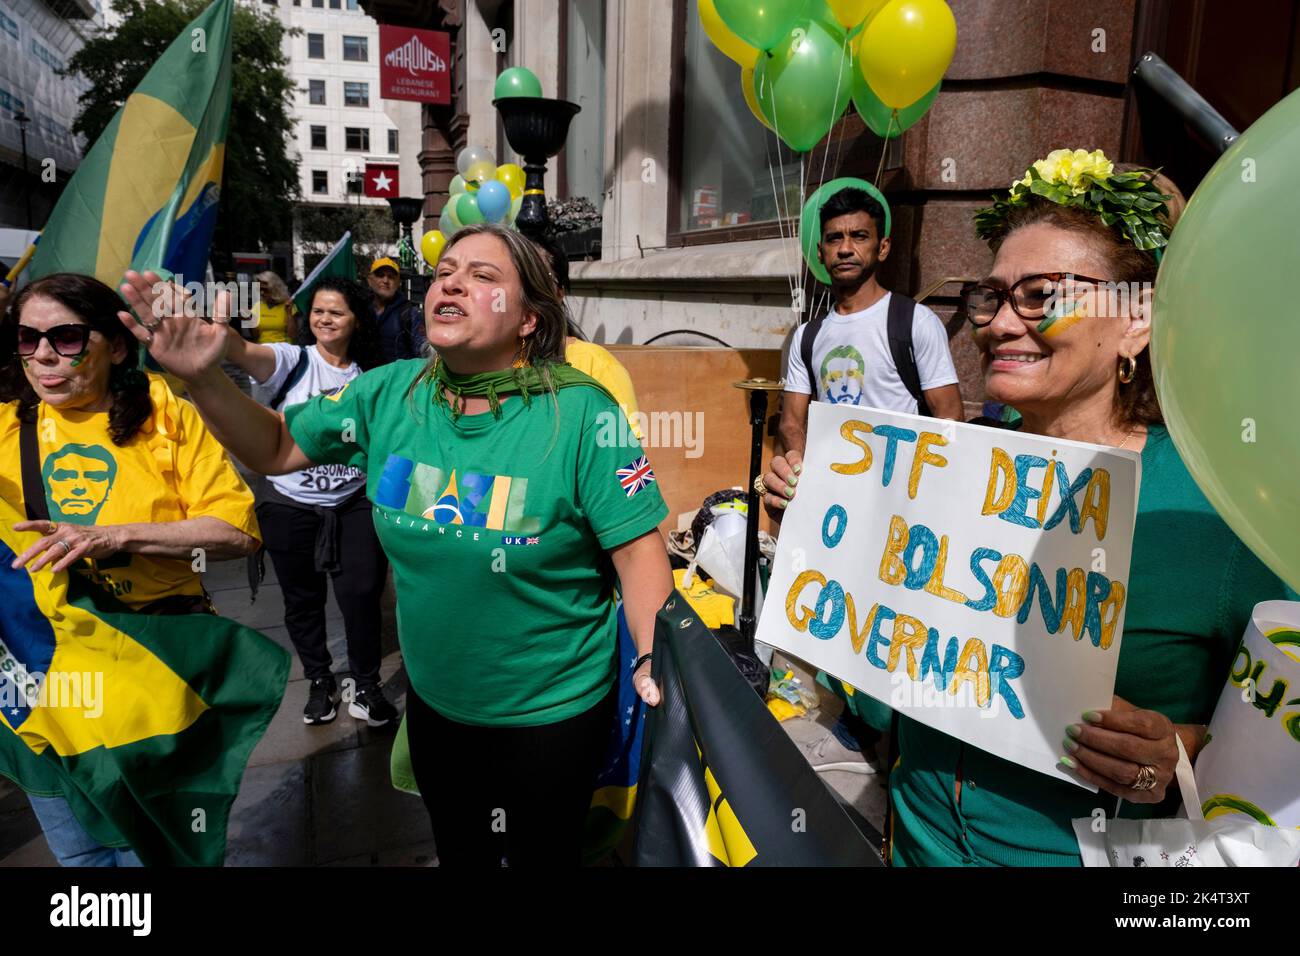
(697, 432)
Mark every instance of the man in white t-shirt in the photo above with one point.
(851, 354)
(854, 364)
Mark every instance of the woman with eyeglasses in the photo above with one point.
(123, 482)
(1062, 322)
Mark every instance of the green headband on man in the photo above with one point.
(810, 223)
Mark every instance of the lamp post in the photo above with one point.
(536, 128)
(22, 119)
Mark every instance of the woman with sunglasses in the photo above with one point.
(131, 484)
(1062, 323)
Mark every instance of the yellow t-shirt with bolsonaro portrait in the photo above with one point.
(172, 469)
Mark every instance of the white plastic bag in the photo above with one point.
(1195, 841)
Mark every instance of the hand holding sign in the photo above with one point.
(1108, 748)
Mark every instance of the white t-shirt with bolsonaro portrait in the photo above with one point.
(853, 363)
(319, 484)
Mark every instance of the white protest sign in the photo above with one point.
(972, 578)
(1251, 760)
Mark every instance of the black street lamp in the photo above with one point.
(22, 119)
(536, 129)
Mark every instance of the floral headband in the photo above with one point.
(1075, 177)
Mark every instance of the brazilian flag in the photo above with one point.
(146, 195)
(722, 784)
(338, 262)
(144, 723)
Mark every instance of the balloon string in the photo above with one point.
(782, 209)
(884, 151)
(826, 152)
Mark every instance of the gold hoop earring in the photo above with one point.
(1127, 368)
(522, 359)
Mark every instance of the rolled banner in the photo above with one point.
(1250, 763)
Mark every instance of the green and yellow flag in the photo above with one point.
(337, 262)
(144, 723)
(145, 196)
(721, 782)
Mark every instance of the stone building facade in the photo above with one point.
(679, 262)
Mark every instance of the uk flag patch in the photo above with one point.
(636, 476)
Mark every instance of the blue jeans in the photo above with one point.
(68, 839)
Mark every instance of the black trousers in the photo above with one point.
(515, 793)
(290, 537)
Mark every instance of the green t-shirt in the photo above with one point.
(497, 531)
(1192, 586)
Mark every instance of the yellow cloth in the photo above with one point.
(171, 470)
(592, 359)
(272, 323)
(714, 608)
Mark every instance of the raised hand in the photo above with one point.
(187, 345)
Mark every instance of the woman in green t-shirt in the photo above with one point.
(1068, 350)
(508, 493)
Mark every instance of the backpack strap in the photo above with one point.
(902, 309)
(292, 379)
(33, 491)
(806, 351)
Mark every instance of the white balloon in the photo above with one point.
(471, 155)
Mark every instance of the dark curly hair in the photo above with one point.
(97, 305)
(363, 347)
(1135, 401)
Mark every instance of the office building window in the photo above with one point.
(392, 141)
(356, 48)
(352, 5)
(355, 182)
(732, 171)
(357, 138)
(316, 46)
(319, 4)
(335, 5)
(356, 94)
(320, 182)
(316, 92)
(318, 138)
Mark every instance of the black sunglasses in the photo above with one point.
(68, 340)
(1029, 297)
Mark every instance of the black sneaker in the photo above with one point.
(372, 706)
(320, 701)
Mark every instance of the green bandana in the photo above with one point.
(525, 381)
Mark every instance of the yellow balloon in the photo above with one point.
(431, 246)
(726, 41)
(513, 177)
(906, 49)
(852, 12)
(481, 172)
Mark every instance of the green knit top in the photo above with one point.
(1192, 586)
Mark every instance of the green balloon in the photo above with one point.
(803, 86)
(879, 117)
(810, 221)
(761, 23)
(517, 81)
(467, 209)
(1225, 339)
(457, 185)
